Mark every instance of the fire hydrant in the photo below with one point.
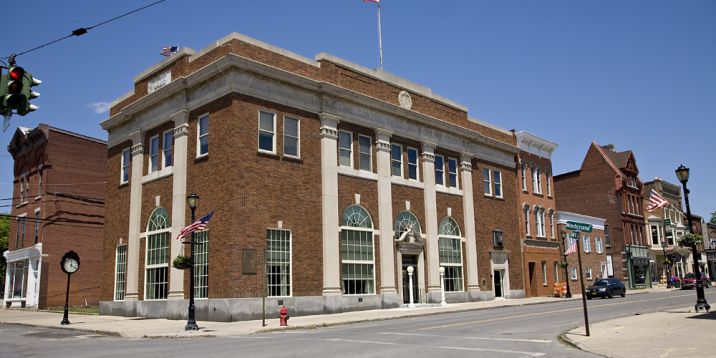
(283, 313)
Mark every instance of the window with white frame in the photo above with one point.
(497, 178)
(539, 221)
(589, 273)
(452, 173)
(17, 274)
(654, 234)
(291, 137)
(523, 173)
(406, 222)
(573, 273)
(201, 264)
(603, 270)
(202, 141)
(267, 132)
(120, 272)
(439, 170)
(450, 253)
(126, 165)
(357, 252)
(548, 180)
(278, 262)
(167, 146)
(598, 245)
(544, 273)
(39, 180)
(413, 172)
(154, 154)
(37, 226)
(587, 244)
(551, 223)
(365, 153)
(487, 180)
(157, 255)
(21, 227)
(536, 181)
(555, 267)
(526, 212)
(497, 238)
(396, 160)
(345, 149)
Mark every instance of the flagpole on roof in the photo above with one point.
(380, 39)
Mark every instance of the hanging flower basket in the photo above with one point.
(563, 265)
(690, 239)
(181, 262)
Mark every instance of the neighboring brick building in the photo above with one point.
(607, 186)
(58, 205)
(537, 212)
(595, 261)
(710, 244)
(327, 179)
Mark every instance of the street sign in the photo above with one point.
(675, 257)
(667, 222)
(577, 226)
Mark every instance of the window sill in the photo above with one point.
(448, 190)
(168, 171)
(407, 182)
(39, 197)
(126, 183)
(201, 156)
(363, 174)
(21, 204)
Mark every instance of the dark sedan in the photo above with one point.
(605, 287)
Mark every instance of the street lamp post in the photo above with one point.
(667, 264)
(682, 173)
(410, 287)
(442, 286)
(193, 201)
(566, 269)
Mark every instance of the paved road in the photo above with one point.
(519, 331)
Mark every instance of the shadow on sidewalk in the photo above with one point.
(709, 315)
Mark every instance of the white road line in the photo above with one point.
(357, 341)
(527, 354)
(473, 338)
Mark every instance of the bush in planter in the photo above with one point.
(563, 265)
(690, 239)
(181, 262)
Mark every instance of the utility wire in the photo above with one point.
(83, 30)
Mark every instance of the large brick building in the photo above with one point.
(596, 263)
(607, 186)
(537, 212)
(327, 179)
(58, 205)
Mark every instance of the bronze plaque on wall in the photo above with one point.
(248, 262)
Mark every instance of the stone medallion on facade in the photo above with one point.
(405, 100)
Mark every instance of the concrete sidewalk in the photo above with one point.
(673, 333)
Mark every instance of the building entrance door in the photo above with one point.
(533, 283)
(410, 260)
(497, 277)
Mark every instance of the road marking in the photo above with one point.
(357, 341)
(473, 338)
(540, 313)
(529, 354)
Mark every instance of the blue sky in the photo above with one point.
(638, 74)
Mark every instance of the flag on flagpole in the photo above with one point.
(656, 201)
(195, 226)
(375, 1)
(380, 35)
(168, 51)
(572, 248)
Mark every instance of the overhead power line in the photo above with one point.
(83, 30)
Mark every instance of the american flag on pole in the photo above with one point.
(169, 50)
(572, 247)
(195, 226)
(375, 1)
(656, 201)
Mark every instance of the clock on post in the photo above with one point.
(70, 263)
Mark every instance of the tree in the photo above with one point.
(713, 217)
(4, 233)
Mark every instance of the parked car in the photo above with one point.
(689, 281)
(605, 287)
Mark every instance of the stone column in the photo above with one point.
(179, 169)
(431, 223)
(135, 217)
(329, 207)
(385, 217)
(473, 284)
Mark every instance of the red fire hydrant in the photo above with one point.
(283, 313)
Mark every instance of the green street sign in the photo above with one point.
(577, 226)
(667, 222)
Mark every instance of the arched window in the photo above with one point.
(357, 252)
(157, 255)
(406, 221)
(450, 250)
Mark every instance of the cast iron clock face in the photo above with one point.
(70, 265)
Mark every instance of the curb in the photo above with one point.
(79, 329)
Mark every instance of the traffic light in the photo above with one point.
(17, 86)
(27, 83)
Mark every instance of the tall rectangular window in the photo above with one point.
(497, 177)
(157, 252)
(345, 149)
(654, 234)
(267, 132)
(598, 245)
(278, 263)
(526, 212)
(357, 262)
(452, 172)
(17, 272)
(439, 170)
(20, 238)
(589, 273)
(450, 253)
(551, 224)
(487, 180)
(536, 181)
(291, 137)
(555, 267)
(202, 146)
(365, 153)
(126, 164)
(153, 154)
(396, 160)
(573, 273)
(37, 226)
(167, 146)
(539, 222)
(544, 273)
(548, 180)
(120, 272)
(523, 174)
(587, 244)
(413, 172)
(201, 264)
(39, 180)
